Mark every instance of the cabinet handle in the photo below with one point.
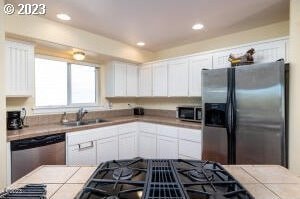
(84, 146)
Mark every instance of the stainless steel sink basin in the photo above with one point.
(85, 122)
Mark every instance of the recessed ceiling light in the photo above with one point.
(140, 43)
(63, 17)
(198, 26)
(79, 55)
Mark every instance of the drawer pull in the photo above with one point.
(84, 146)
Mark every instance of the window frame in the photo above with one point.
(70, 105)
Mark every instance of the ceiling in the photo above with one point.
(164, 24)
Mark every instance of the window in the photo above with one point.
(59, 83)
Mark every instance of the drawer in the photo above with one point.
(168, 131)
(190, 134)
(148, 127)
(127, 128)
(91, 135)
(81, 136)
(190, 149)
(106, 132)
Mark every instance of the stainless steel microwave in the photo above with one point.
(189, 113)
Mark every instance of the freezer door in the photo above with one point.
(214, 97)
(260, 110)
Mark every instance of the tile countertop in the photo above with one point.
(262, 181)
(41, 130)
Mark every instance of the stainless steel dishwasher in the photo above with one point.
(28, 154)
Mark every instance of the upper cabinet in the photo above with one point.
(19, 67)
(160, 79)
(196, 64)
(132, 80)
(145, 80)
(181, 77)
(178, 81)
(268, 51)
(121, 80)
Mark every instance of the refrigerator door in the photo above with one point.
(260, 114)
(214, 98)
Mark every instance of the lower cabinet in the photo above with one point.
(126, 141)
(167, 147)
(147, 145)
(128, 146)
(107, 149)
(82, 154)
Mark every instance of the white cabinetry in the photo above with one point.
(268, 51)
(107, 149)
(167, 147)
(128, 146)
(19, 67)
(160, 79)
(196, 64)
(132, 80)
(126, 141)
(147, 145)
(190, 143)
(82, 154)
(178, 81)
(121, 80)
(81, 148)
(167, 142)
(145, 80)
(147, 140)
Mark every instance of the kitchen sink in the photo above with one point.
(84, 122)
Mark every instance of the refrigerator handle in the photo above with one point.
(233, 118)
(228, 112)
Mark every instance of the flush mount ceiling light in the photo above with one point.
(140, 43)
(198, 26)
(63, 17)
(79, 55)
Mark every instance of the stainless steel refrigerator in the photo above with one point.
(245, 114)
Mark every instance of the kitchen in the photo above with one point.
(85, 95)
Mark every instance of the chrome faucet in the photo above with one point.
(80, 114)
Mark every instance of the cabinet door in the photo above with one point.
(107, 149)
(147, 145)
(82, 154)
(19, 67)
(145, 81)
(120, 79)
(132, 80)
(160, 79)
(167, 148)
(270, 51)
(127, 146)
(178, 83)
(196, 64)
(220, 59)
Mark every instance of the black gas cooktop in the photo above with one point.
(162, 179)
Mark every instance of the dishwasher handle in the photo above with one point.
(30, 143)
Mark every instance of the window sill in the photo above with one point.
(68, 109)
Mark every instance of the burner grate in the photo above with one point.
(162, 182)
(30, 191)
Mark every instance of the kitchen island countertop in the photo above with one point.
(262, 181)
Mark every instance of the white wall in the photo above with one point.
(3, 160)
(294, 126)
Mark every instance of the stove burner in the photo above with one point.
(200, 175)
(112, 197)
(123, 173)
